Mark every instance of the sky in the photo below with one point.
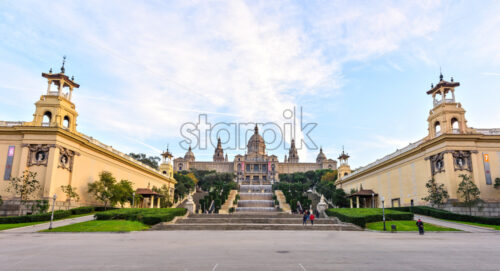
(356, 71)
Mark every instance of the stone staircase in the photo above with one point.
(254, 221)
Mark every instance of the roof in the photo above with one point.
(364, 192)
(146, 192)
(67, 81)
(443, 83)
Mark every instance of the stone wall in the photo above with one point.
(484, 209)
(11, 207)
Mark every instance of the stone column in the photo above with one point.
(357, 201)
(350, 201)
(151, 204)
(158, 203)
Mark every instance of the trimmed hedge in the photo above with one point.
(437, 213)
(45, 216)
(144, 215)
(82, 210)
(361, 216)
(34, 218)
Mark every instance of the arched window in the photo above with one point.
(47, 118)
(455, 125)
(66, 122)
(345, 173)
(164, 172)
(437, 128)
(239, 166)
(180, 166)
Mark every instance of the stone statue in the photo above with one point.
(322, 205)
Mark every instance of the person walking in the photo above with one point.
(420, 226)
(311, 217)
(304, 218)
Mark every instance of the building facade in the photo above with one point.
(256, 166)
(450, 149)
(51, 146)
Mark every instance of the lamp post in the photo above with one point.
(383, 212)
(133, 199)
(52, 216)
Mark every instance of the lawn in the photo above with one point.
(405, 225)
(19, 225)
(362, 216)
(102, 226)
(495, 227)
(365, 211)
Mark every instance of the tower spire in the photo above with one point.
(62, 67)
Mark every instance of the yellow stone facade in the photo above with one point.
(51, 146)
(450, 149)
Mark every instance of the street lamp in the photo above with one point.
(383, 212)
(52, 216)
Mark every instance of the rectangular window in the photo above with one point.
(8, 165)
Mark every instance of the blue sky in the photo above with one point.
(359, 69)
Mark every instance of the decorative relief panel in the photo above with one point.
(66, 158)
(437, 163)
(462, 160)
(38, 154)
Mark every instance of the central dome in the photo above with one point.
(256, 144)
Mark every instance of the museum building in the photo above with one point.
(255, 166)
(51, 146)
(450, 149)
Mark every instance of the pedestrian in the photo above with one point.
(304, 218)
(420, 226)
(311, 217)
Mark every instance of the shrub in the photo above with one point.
(361, 216)
(82, 210)
(34, 218)
(437, 213)
(144, 215)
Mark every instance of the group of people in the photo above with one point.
(308, 216)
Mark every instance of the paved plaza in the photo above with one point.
(249, 250)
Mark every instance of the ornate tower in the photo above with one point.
(344, 168)
(189, 156)
(55, 109)
(256, 144)
(166, 167)
(447, 116)
(219, 152)
(293, 157)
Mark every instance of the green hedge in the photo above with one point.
(82, 210)
(34, 218)
(361, 216)
(144, 215)
(437, 213)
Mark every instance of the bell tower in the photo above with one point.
(447, 116)
(344, 168)
(166, 167)
(55, 109)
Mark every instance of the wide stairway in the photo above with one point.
(256, 198)
(254, 221)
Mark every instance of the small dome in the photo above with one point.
(189, 155)
(321, 156)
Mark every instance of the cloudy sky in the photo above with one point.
(358, 69)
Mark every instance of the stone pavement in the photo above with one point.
(453, 225)
(44, 226)
(250, 250)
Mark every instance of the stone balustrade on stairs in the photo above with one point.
(224, 209)
(285, 207)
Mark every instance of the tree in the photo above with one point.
(151, 161)
(469, 192)
(102, 189)
(165, 192)
(24, 186)
(497, 183)
(122, 192)
(70, 193)
(329, 177)
(437, 193)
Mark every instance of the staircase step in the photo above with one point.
(274, 227)
(256, 220)
(248, 215)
